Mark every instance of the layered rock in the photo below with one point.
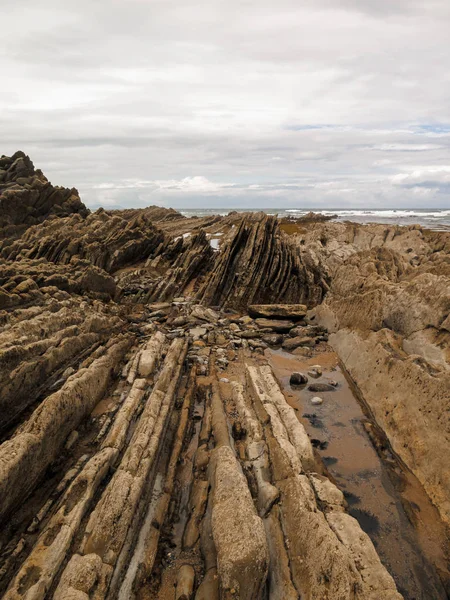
(27, 197)
(147, 448)
(108, 242)
(389, 307)
(259, 264)
(100, 530)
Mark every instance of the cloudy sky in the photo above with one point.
(232, 103)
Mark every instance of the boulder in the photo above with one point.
(298, 379)
(278, 311)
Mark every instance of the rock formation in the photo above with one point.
(388, 310)
(147, 449)
(27, 197)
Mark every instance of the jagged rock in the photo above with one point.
(385, 312)
(118, 475)
(257, 265)
(27, 197)
(106, 242)
(38, 443)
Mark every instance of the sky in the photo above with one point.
(231, 103)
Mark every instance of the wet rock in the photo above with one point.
(298, 379)
(321, 387)
(315, 371)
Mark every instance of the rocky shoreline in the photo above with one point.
(162, 457)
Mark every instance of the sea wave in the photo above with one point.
(380, 213)
(431, 218)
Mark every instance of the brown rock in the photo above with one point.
(292, 343)
(275, 325)
(278, 311)
(273, 339)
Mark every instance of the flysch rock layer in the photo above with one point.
(27, 197)
(146, 448)
(388, 312)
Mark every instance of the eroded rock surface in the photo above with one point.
(27, 197)
(388, 310)
(147, 449)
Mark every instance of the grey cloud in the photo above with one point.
(327, 103)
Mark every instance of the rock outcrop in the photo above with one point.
(147, 449)
(27, 197)
(388, 309)
(260, 265)
(117, 438)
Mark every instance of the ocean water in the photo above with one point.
(437, 219)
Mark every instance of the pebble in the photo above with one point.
(316, 400)
(315, 371)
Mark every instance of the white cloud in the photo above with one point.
(223, 102)
(426, 176)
